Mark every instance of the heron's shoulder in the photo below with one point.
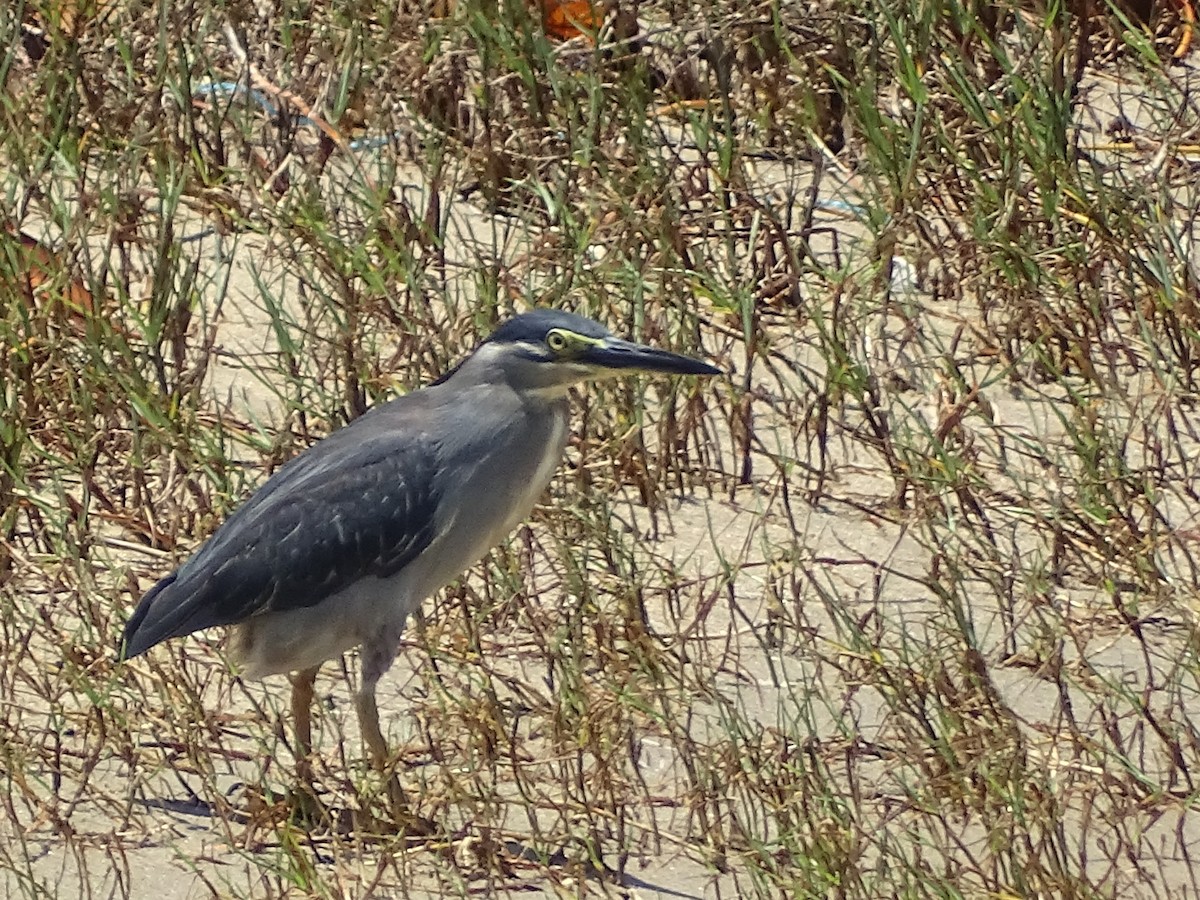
(406, 425)
(391, 443)
(401, 431)
(406, 409)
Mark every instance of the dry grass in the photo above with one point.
(903, 607)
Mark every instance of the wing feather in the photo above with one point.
(358, 503)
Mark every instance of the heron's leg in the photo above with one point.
(368, 720)
(377, 657)
(302, 700)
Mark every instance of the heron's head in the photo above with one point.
(547, 351)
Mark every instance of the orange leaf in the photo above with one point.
(566, 19)
(36, 263)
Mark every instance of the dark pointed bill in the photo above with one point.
(614, 353)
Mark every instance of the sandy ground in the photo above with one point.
(179, 850)
(176, 848)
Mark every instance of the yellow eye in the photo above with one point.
(556, 341)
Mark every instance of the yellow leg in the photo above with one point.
(368, 722)
(302, 700)
(305, 804)
(377, 657)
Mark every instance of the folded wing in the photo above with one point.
(358, 503)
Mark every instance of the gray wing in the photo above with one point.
(360, 502)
